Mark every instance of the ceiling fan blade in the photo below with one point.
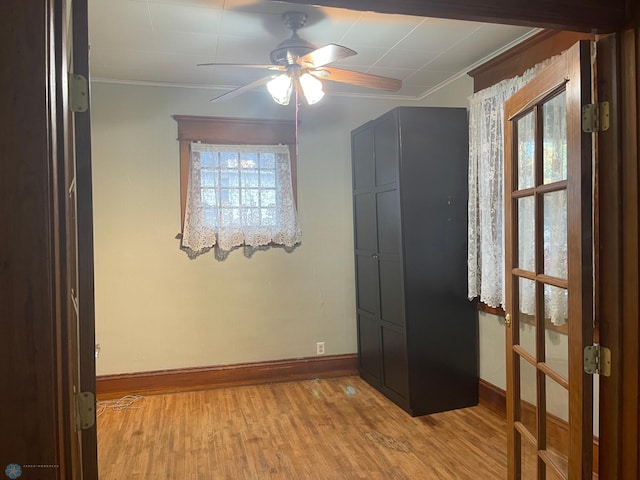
(357, 78)
(325, 55)
(267, 66)
(240, 90)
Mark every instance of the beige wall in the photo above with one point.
(155, 308)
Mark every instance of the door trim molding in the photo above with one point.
(202, 378)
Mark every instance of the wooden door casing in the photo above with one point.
(29, 307)
(85, 255)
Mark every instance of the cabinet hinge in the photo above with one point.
(595, 117)
(597, 359)
(78, 93)
(85, 410)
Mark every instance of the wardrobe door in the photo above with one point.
(388, 221)
(366, 257)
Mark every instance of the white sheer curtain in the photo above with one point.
(239, 195)
(486, 269)
(554, 113)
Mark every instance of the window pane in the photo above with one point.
(206, 159)
(555, 139)
(248, 160)
(250, 216)
(555, 234)
(526, 234)
(229, 159)
(268, 198)
(528, 397)
(528, 333)
(208, 178)
(557, 399)
(229, 178)
(211, 216)
(229, 216)
(556, 305)
(250, 178)
(229, 197)
(526, 151)
(239, 187)
(527, 312)
(267, 179)
(527, 304)
(250, 197)
(267, 160)
(208, 196)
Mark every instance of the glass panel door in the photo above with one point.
(548, 262)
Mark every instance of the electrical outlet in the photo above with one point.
(320, 348)
(98, 350)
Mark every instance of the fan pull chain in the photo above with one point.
(297, 109)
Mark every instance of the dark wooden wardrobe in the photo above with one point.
(417, 332)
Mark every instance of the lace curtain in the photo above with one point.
(486, 268)
(239, 195)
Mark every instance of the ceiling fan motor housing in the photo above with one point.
(289, 50)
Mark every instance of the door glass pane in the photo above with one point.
(556, 304)
(529, 459)
(557, 416)
(526, 151)
(528, 402)
(528, 333)
(526, 314)
(526, 234)
(556, 343)
(555, 234)
(554, 119)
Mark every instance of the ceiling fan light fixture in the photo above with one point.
(280, 88)
(311, 88)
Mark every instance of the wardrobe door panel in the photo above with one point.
(367, 279)
(386, 150)
(369, 346)
(388, 207)
(363, 161)
(394, 361)
(391, 298)
(365, 222)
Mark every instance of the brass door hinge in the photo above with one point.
(85, 410)
(595, 117)
(78, 93)
(597, 359)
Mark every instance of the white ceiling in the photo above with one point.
(161, 41)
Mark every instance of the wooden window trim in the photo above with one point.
(231, 131)
(525, 55)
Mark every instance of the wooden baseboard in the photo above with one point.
(495, 399)
(202, 378)
(492, 397)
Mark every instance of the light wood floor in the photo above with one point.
(322, 429)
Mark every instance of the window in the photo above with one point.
(234, 193)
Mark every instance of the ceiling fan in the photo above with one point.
(301, 67)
